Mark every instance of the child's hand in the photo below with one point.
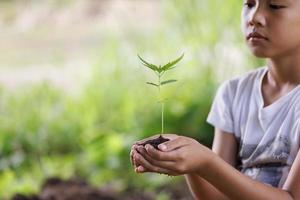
(134, 147)
(181, 155)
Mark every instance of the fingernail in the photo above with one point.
(162, 147)
(148, 147)
(140, 149)
(141, 168)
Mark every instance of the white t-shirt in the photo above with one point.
(268, 136)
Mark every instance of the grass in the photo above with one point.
(48, 132)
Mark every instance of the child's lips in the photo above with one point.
(256, 39)
(255, 36)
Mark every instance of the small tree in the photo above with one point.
(160, 70)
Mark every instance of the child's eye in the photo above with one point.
(249, 5)
(275, 7)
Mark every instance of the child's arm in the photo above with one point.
(186, 156)
(238, 186)
(225, 146)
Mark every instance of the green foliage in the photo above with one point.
(160, 71)
(46, 132)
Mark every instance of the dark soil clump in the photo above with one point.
(155, 142)
(77, 189)
(58, 189)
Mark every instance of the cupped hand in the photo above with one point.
(139, 143)
(181, 155)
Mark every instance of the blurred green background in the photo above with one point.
(73, 96)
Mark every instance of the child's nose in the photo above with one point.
(257, 17)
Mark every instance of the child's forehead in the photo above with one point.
(280, 0)
(273, 0)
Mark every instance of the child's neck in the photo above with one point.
(284, 71)
(282, 77)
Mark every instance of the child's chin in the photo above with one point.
(259, 54)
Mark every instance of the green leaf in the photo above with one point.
(160, 70)
(152, 84)
(168, 81)
(172, 63)
(149, 65)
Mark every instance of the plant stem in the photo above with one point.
(162, 104)
(162, 117)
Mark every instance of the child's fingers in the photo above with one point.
(132, 151)
(160, 155)
(172, 144)
(135, 162)
(146, 166)
(170, 165)
(138, 148)
(141, 169)
(135, 150)
(131, 157)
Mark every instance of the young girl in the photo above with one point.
(256, 118)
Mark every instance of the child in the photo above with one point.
(256, 118)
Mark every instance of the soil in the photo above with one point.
(76, 189)
(155, 142)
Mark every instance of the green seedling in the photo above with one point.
(160, 70)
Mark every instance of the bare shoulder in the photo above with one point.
(225, 145)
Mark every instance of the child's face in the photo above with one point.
(275, 27)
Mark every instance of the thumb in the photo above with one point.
(171, 144)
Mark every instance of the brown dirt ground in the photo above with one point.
(75, 189)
